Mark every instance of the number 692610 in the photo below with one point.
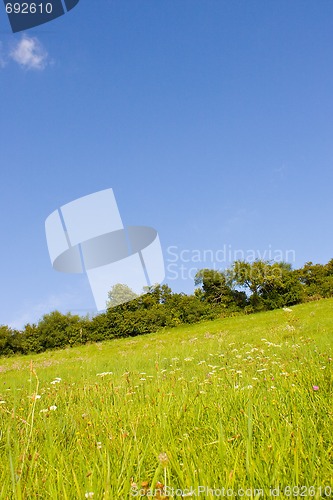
(28, 8)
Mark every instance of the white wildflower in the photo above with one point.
(103, 374)
(35, 396)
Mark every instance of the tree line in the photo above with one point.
(245, 288)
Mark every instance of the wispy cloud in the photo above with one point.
(29, 53)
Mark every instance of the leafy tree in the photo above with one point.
(31, 339)
(271, 284)
(5, 333)
(317, 280)
(57, 330)
(10, 341)
(120, 294)
(189, 309)
(217, 289)
(214, 286)
(156, 294)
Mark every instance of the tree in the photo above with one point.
(5, 335)
(271, 284)
(10, 341)
(120, 294)
(317, 279)
(159, 294)
(57, 330)
(214, 286)
(217, 289)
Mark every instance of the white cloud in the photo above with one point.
(29, 53)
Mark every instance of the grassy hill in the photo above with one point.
(239, 406)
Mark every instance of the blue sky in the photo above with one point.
(211, 120)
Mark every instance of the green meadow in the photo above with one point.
(236, 407)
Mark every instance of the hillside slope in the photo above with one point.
(242, 403)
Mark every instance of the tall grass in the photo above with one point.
(243, 404)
